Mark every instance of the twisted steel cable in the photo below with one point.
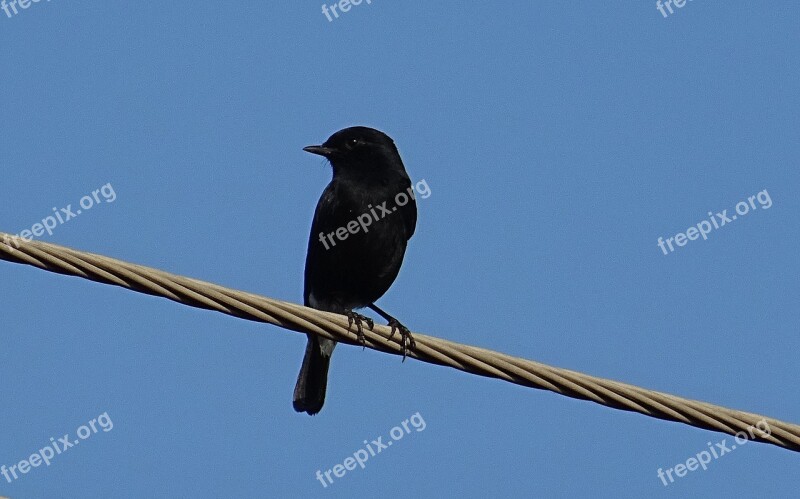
(467, 358)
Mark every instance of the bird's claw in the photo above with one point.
(406, 339)
(358, 320)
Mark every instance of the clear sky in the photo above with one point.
(559, 141)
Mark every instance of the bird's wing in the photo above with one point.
(409, 212)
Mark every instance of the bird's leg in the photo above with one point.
(358, 319)
(407, 340)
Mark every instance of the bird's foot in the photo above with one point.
(358, 320)
(406, 340)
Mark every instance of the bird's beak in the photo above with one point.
(320, 150)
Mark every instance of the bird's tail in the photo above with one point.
(309, 392)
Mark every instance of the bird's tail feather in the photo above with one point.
(309, 392)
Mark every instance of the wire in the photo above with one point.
(467, 358)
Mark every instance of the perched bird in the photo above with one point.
(362, 223)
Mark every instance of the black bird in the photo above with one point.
(362, 223)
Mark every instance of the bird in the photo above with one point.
(359, 234)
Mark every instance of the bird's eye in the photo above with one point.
(352, 143)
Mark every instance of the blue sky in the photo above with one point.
(559, 142)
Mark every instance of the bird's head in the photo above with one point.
(359, 150)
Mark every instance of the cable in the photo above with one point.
(467, 358)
